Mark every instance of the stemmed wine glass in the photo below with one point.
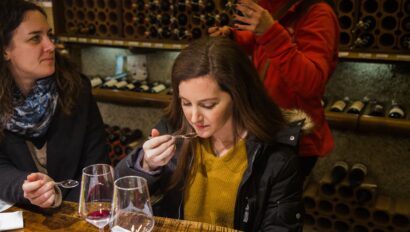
(131, 206)
(97, 185)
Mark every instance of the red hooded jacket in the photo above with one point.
(302, 50)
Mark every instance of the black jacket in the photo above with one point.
(269, 195)
(73, 142)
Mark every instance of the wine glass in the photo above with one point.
(131, 206)
(96, 194)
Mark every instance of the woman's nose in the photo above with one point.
(196, 116)
(49, 44)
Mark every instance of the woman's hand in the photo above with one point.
(256, 18)
(224, 31)
(39, 190)
(158, 151)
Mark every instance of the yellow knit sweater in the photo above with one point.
(211, 193)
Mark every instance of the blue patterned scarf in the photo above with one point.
(32, 114)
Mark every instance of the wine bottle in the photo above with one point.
(357, 174)
(196, 33)
(118, 151)
(140, 18)
(110, 84)
(339, 172)
(182, 19)
(152, 20)
(197, 5)
(140, 5)
(165, 33)
(113, 136)
(405, 41)
(222, 19)
(165, 19)
(357, 106)
(131, 136)
(376, 109)
(152, 32)
(368, 23)
(165, 5)
(96, 81)
(157, 87)
(340, 105)
(366, 40)
(152, 5)
(209, 6)
(121, 85)
(181, 5)
(406, 24)
(396, 111)
(88, 30)
(210, 20)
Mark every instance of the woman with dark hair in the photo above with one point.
(50, 125)
(241, 168)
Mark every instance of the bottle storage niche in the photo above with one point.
(374, 25)
(98, 18)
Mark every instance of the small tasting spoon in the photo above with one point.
(67, 183)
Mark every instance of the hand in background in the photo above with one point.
(224, 31)
(158, 151)
(255, 18)
(39, 190)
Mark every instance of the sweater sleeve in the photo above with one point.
(307, 60)
(245, 39)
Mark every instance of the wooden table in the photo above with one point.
(67, 219)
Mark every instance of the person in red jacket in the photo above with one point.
(294, 48)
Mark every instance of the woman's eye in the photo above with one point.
(209, 106)
(186, 103)
(35, 38)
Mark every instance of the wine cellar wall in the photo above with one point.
(141, 20)
(366, 25)
(374, 25)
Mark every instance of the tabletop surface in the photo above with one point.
(67, 219)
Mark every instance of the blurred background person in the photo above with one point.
(50, 125)
(294, 46)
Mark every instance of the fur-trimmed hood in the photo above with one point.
(296, 115)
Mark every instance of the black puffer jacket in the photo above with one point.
(270, 193)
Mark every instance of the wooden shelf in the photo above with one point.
(131, 98)
(354, 55)
(368, 56)
(343, 121)
(121, 43)
(384, 125)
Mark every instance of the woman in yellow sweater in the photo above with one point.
(241, 169)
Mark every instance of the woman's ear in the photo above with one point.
(6, 56)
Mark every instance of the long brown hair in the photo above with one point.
(222, 59)
(68, 79)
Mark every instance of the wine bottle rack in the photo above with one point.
(161, 21)
(369, 29)
(374, 26)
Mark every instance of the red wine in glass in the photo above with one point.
(99, 218)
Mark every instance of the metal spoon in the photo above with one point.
(67, 183)
(190, 135)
